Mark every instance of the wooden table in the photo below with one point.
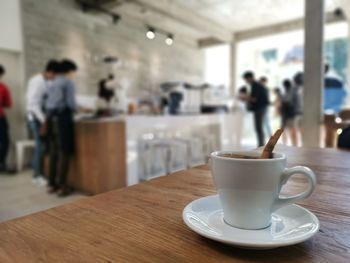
(143, 223)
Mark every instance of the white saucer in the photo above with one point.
(291, 224)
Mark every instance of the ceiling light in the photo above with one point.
(169, 40)
(151, 33)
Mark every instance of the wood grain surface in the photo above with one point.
(99, 164)
(143, 223)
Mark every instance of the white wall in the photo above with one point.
(59, 29)
(10, 25)
(11, 57)
(16, 115)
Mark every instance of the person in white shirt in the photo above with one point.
(35, 98)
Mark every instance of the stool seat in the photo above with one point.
(21, 145)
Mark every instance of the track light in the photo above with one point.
(151, 33)
(169, 40)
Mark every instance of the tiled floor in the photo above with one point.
(19, 197)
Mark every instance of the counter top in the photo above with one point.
(91, 118)
(143, 223)
(88, 117)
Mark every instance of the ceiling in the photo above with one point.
(214, 18)
(239, 15)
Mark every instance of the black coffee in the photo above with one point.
(238, 156)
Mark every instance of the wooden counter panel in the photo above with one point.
(99, 164)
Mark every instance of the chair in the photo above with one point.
(179, 152)
(208, 142)
(153, 157)
(193, 150)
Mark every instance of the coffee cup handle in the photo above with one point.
(288, 172)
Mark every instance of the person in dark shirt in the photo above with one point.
(243, 93)
(257, 102)
(61, 105)
(289, 112)
(5, 103)
(264, 82)
(344, 139)
(104, 92)
(334, 93)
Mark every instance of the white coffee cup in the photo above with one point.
(249, 188)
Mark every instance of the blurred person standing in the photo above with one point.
(37, 90)
(257, 102)
(288, 112)
(241, 111)
(298, 85)
(106, 97)
(299, 102)
(277, 102)
(61, 106)
(334, 92)
(264, 82)
(119, 93)
(243, 94)
(5, 103)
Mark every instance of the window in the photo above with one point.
(217, 65)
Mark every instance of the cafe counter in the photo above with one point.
(106, 155)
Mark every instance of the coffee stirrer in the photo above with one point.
(268, 149)
(266, 153)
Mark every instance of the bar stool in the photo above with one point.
(159, 154)
(208, 144)
(154, 158)
(21, 145)
(178, 155)
(198, 151)
(194, 149)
